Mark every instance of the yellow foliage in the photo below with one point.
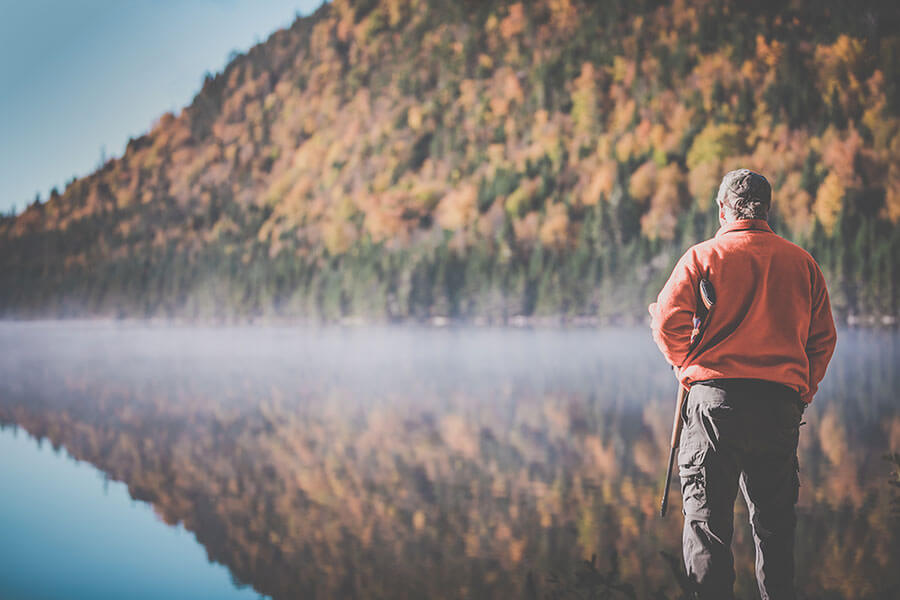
(829, 201)
(876, 118)
(584, 98)
(658, 139)
(716, 141)
(414, 117)
(338, 236)
(623, 70)
(838, 64)
(521, 196)
(306, 122)
(588, 532)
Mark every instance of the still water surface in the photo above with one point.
(397, 463)
(69, 533)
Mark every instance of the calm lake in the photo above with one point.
(141, 461)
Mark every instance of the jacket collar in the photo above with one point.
(744, 225)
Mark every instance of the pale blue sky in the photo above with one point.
(77, 76)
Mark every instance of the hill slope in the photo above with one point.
(393, 159)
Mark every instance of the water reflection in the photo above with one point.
(442, 464)
(69, 534)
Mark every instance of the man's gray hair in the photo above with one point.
(745, 194)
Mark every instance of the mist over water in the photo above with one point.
(378, 360)
(418, 462)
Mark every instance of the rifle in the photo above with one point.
(708, 299)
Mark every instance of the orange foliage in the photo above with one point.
(794, 202)
(305, 120)
(712, 69)
(564, 15)
(660, 220)
(703, 182)
(526, 228)
(839, 154)
(892, 195)
(554, 231)
(642, 184)
(384, 218)
(769, 53)
(829, 201)
(599, 183)
(894, 435)
(459, 436)
(459, 208)
(514, 23)
(832, 438)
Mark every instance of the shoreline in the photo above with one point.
(884, 322)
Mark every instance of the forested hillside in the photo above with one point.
(411, 159)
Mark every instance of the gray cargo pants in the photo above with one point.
(740, 431)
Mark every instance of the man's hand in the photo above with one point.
(801, 404)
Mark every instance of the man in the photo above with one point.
(764, 348)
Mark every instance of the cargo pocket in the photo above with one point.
(692, 472)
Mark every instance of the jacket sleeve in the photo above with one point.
(822, 335)
(671, 316)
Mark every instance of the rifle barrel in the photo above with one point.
(673, 445)
(665, 497)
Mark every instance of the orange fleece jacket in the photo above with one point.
(772, 318)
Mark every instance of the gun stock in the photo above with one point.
(707, 296)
